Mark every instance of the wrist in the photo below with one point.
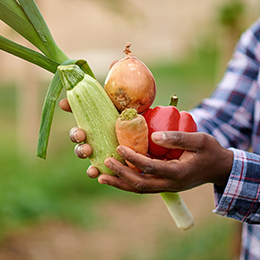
(225, 168)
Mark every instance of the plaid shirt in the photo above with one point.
(232, 115)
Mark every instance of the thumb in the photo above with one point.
(176, 139)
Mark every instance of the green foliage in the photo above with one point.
(230, 13)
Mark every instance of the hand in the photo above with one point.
(77, 135)
(203, 161)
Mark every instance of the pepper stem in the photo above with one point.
(174, 100)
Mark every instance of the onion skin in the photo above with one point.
(130, 84)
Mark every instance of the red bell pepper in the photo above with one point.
(167, 119)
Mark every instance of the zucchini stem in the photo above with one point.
(70, 75)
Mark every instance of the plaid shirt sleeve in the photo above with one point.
(230, 116)
(240, 199)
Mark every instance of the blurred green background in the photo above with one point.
(50, 209)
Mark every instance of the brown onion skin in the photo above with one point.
(130, 84)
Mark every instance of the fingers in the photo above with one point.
(130, 180)
(181, 140)
(64, 105)
(77, 135)
(92, 172)
(83, 151)
(116, 182)
(145, 164)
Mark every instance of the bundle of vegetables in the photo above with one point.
(96, 109)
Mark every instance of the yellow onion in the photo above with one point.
(130, 84)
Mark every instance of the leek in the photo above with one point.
(178, 210)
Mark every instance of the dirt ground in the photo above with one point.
(126, 226)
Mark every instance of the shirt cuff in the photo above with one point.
(240, 198)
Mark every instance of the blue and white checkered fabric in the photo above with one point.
(232, 115)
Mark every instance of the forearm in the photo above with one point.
(240, 198)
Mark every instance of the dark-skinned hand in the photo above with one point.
(203, 161)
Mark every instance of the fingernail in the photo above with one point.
(79, 151)
(108, 164)
(120, 150)
(73, 135)
(103, 182)
(77, 135)
(158, 136)
(89, 173)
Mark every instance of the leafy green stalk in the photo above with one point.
(13, 15)
(33, 13)
(28, 54)
(47, 114)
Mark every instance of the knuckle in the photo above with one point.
(149, 169)
(203, 139)
(130, 158)
(117, 171)
(176, 139)
(141, 186)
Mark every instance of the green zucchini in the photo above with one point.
(94, 112)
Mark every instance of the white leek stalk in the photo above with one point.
(178, 210)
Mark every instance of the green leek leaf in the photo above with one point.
(13, 16)
(33, 13)
(28, 54)
(15, 6)
(47, 115)
(85, 67)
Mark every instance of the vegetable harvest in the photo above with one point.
(91, 106)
